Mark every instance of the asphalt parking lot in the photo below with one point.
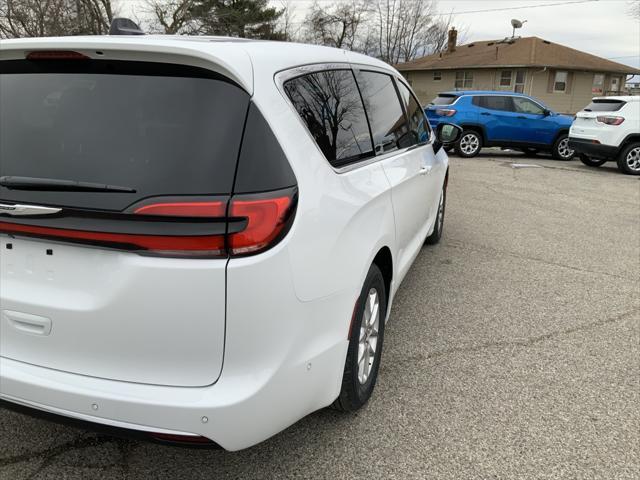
(513, 352)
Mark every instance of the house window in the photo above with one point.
(598, 84)
(505, 78)
(615, 84)
(464, 80)
(437, 75)
(560, 82)
(520, 77)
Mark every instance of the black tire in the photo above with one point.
(591, 162)
(469, 145)
(439, 226)
(355, 393)
(629, 159)
(561, 150)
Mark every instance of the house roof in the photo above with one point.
(519, 52)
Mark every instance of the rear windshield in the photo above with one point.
(605, 106)
(443, 100)
(158, 129)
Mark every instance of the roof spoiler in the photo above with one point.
(124, 26)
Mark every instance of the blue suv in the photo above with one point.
(502, 119)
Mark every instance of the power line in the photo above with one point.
(516, 8)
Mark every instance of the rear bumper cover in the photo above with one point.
(594, 150)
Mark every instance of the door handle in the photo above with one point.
(522, 117)
(426, 170)
(485, 113)
(27, 323)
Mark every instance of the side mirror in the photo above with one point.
(546, 112)
(446, 133)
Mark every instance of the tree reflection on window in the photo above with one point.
(329, 103)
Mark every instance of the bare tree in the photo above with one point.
(287, 24)
(339, 25)
(172, 16)
(405, 29)
(40, 18)
(93, 17)
(34, 18)
(634, 8)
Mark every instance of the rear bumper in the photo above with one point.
(234, 413)
(591, 149)
(283, 359)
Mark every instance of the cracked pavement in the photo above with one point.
(513, 351)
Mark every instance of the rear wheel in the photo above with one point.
(439, 224)
(629, 159)
(561, 150)
(469, 144)
(365, 344)
(591, 162)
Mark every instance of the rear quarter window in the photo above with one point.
(330, 105)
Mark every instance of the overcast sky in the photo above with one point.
(601, 27)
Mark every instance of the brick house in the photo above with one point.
(563, 78)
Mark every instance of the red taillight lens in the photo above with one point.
(266, 219)
(209, 245)
(56, 55)
(186, 209)
(446, 112)
(610, 120)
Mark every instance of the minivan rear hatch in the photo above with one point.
(122, 274)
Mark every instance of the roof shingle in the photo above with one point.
(520, 52)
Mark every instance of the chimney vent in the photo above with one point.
(453, 39)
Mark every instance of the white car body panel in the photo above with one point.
(586, 126)
(267, 335)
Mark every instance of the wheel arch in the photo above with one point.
(384, 261)
(476, 128)
(629, 139)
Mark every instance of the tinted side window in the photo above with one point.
(330, 105)
(524, 105)
(386, 117)
(417, 121)
(497, 102)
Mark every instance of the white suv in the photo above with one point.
(201, 238)
(608, 129)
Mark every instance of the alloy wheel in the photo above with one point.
(469, 144)
(633, 159)
(563, 148)
(368, 341)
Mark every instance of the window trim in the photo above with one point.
(555, 81)
(284, 76)
(464, 79)
(508, 85)
(439, 72)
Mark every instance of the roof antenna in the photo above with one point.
(124, 26)
(515, 23)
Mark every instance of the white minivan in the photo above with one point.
(201, 238)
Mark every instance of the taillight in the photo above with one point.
(56, 55)
(184, 209)
(267, 217)
(244, 225)
(610, 120)
(209, 245)
(446, 112)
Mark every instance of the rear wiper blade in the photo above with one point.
(53, 184)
